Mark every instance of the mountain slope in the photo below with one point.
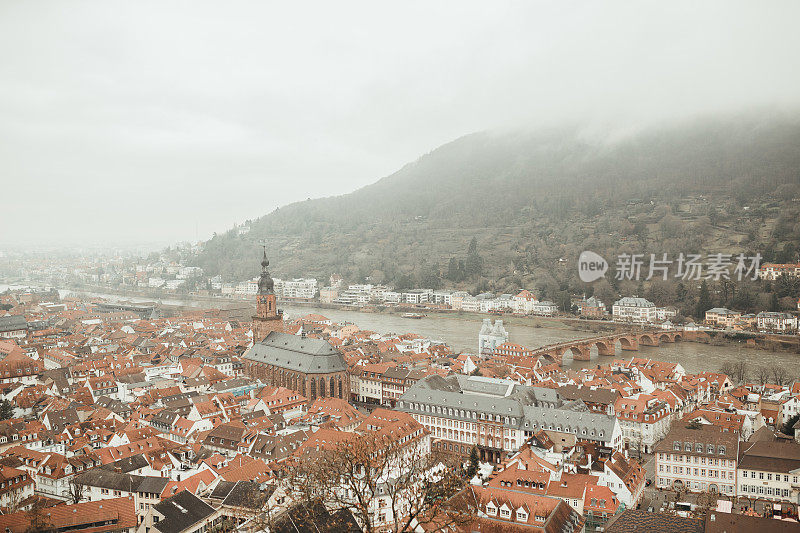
(532, 198)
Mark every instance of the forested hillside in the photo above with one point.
(529, 203)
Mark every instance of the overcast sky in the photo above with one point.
(126, 122)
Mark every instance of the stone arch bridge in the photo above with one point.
(581, 349)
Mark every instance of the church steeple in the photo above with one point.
(265, 283)
(268, 317)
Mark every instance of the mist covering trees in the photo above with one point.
(501, 212)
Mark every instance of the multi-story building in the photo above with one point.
(644, 420)
(770, 469)
(633, 309)
(721, 316)
(592, 308)
(698, 458)
(247, 288)
(772, 271)
(13, 326)
(544, 308)
(298, 288)
(395, 382)
(511, 349)
(15, 487)
(523, 302)
(497, 416)
(776, 322)
(417, 296)
(442, 298)
(328, 294)
(370, 380)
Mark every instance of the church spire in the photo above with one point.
(265, 283)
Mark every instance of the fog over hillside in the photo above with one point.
(182, 124)
(532, 198)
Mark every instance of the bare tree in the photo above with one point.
(780, 376)
(763, 375)
(706, 501)
(38, 521)
(76, 492)
(740, 371)
(737, 371)
(385, 481)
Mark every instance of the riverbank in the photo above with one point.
(555, 322)
(179, 302)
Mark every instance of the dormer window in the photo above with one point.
(522, 516)
(721, 450)
(491, 510)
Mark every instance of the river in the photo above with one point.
(461, 333)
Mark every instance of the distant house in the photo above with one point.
(772, 271)
(545, 308)
(592, 308)
(721, 316)
(776, 322)
(524, 301)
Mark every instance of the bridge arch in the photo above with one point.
(606, 347)
(648, 339)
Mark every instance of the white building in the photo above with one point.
(296, 288)
(442, 298)
(524, 302)
(633, 309)
(491, 336)
(777, 322)
(545, 308)
(770, 470)
(247, 288)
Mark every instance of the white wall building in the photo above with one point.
(633, 309)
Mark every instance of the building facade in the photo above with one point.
(698, 459)
(497, 416)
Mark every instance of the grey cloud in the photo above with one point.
(209, 113)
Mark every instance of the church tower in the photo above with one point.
(268, 317)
